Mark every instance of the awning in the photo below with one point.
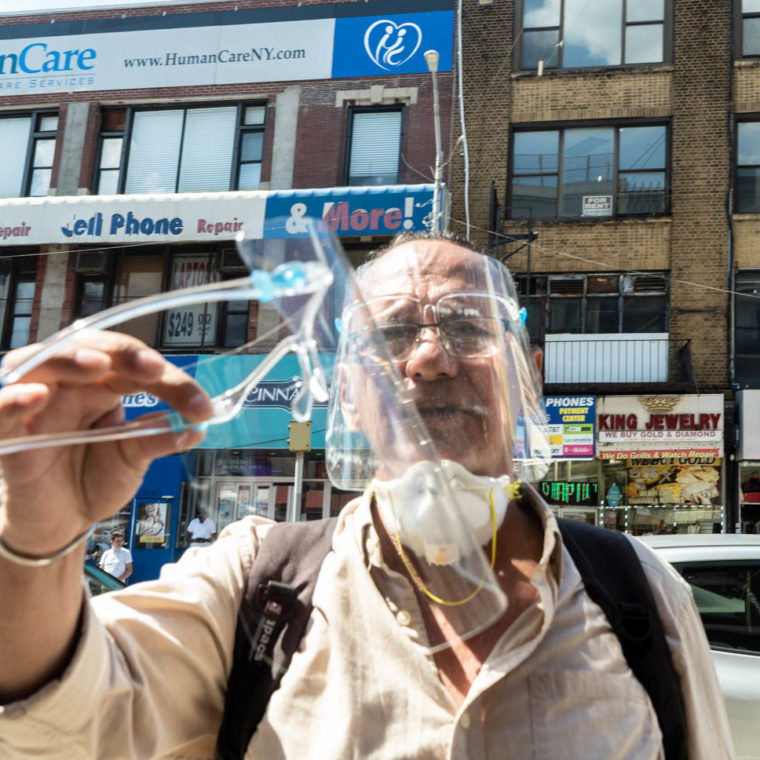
(263, 420)
(184, 217)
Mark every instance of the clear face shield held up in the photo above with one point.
(439, 329)
(289, 279)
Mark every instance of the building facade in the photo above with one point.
(612, 162)
(138, 142)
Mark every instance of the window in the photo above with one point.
(750, 31)
(92, 294)
(595, 303)
(28, 149)
(197, 324)
(578, 33)
(747, 328)
(589, 172)
(17, 290)
(748, 167)
(374, 147)
(727, 596)
(190, 328)
(139, 276)
(235, 323)
(181, 150)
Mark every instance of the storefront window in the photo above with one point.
(139, 276)
(313, 500)
(749, 497)
(194, 325)
(254, 463)
(339, 499)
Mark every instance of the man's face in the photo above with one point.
(463, 402)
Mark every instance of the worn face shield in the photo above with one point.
(439, 327)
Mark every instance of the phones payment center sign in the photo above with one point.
(571, 422)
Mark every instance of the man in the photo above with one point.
(202, 530)
(397, 661)
(117, 560)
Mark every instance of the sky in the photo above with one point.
(45, 6)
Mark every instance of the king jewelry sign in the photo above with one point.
(660, 427)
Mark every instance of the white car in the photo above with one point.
(724, 573)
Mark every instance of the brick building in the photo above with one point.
(138, 140)
(625, 138)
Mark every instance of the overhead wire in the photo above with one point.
(607, 265)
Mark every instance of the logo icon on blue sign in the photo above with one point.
(393, 44)
(389, 44)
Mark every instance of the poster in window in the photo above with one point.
(193, 325)
(152, 527)
(674, 481)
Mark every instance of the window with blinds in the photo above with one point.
(28, 142)
(375, 147)
(181, 150)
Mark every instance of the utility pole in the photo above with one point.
(431, 59)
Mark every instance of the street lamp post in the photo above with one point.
(431, 59)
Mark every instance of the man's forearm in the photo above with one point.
(41, 608)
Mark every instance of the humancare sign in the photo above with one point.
(183, 217)
(225, 47)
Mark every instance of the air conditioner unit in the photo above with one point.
(92, 262)
(231, 263)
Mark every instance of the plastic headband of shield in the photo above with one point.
(350, 455)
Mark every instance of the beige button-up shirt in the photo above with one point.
(148, 676)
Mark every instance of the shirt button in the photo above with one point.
(464, 721)
(403, 617)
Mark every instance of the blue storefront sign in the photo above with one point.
(571, 422)
(263, 420)
(382, 210)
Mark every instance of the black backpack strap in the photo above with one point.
(615, 580)
(273, 615)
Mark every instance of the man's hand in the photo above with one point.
(54, 494)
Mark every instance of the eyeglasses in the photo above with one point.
(468, 325)
(463, 338)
